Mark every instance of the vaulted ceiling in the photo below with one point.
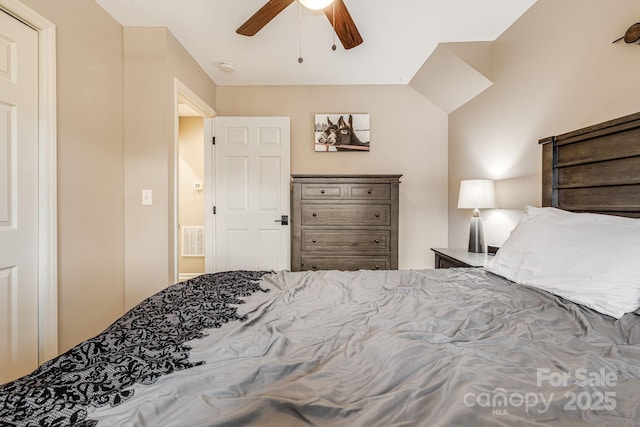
(398, 36)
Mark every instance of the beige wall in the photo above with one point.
(190, 170)
(90, 167)
(96, 66)
(555, 70)
(408, 136)
(153, 58)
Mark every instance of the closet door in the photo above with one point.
(18, 198)
(252, 181)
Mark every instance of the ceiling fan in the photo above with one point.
(342, 22)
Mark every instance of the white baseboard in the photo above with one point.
(186, 276)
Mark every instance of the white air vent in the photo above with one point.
(192, 240)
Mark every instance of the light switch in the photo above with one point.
(147, 197)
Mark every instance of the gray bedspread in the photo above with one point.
(458, 347)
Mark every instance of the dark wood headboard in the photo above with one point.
(594, 169)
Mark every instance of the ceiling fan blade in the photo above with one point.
(262, 17)
(343, 25)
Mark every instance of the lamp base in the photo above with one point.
(476, 235)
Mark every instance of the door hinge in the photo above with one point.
(214, 210)
(213, 140)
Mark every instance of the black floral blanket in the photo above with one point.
(145, 343)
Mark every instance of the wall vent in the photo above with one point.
(192, 241)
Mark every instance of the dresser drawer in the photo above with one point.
(346, 240)
(323, 191)
(446, 263)
(344, 263)
(344, 222)
(346, 214)
(369, 191)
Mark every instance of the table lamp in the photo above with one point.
(476, 194)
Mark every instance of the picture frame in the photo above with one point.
(342, 132)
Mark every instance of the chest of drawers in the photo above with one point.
(344, 222)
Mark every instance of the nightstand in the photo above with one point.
(459, 257)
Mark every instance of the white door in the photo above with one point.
(252, 184)
(18, 198)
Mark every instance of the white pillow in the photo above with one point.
(589, 259)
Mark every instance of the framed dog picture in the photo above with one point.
(342, 132)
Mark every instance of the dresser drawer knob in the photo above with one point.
(314, 267)
(322, 191)
(377, 267)
(369, 191)
(314, 241)
(314, 214)
(377, 215)
(377, 241)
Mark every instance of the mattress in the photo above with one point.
(454, 347)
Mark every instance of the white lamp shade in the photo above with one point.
(315, 4)
(477, 194)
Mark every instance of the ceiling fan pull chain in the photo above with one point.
(333, 7)
(300, 60)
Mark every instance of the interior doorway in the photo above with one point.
(190, 174)
(191, 234)
(249, 230)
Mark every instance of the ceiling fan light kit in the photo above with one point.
(315, 4)
(338, 16)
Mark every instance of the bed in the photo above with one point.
(548, 333)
